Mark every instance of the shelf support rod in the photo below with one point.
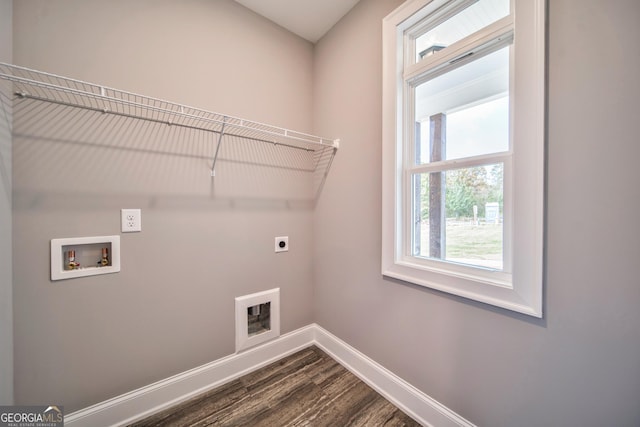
(215, 157)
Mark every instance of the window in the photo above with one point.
(463, 148)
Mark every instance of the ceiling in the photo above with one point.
(310, 19)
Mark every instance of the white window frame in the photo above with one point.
(519, 286)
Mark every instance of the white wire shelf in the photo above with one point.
(49, 87)
(29, 86)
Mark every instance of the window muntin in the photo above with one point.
(455, 28)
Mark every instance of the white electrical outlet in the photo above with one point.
(282, 244)
(131, 220)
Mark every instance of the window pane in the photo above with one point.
(461, 25)
(464, 112)
(458, 216)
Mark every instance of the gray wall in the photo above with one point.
(203, 242)
(579, 366)
(81, 341)
(6, 297)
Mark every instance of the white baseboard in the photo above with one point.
(140, 403)
(412, 401)
(153, 398)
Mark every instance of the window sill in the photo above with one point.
(494, 292)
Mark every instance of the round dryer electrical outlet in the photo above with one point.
(282, 244)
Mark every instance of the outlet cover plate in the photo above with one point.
(131, 220)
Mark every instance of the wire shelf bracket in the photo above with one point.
(215, 156)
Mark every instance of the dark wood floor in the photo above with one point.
(308, 388)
